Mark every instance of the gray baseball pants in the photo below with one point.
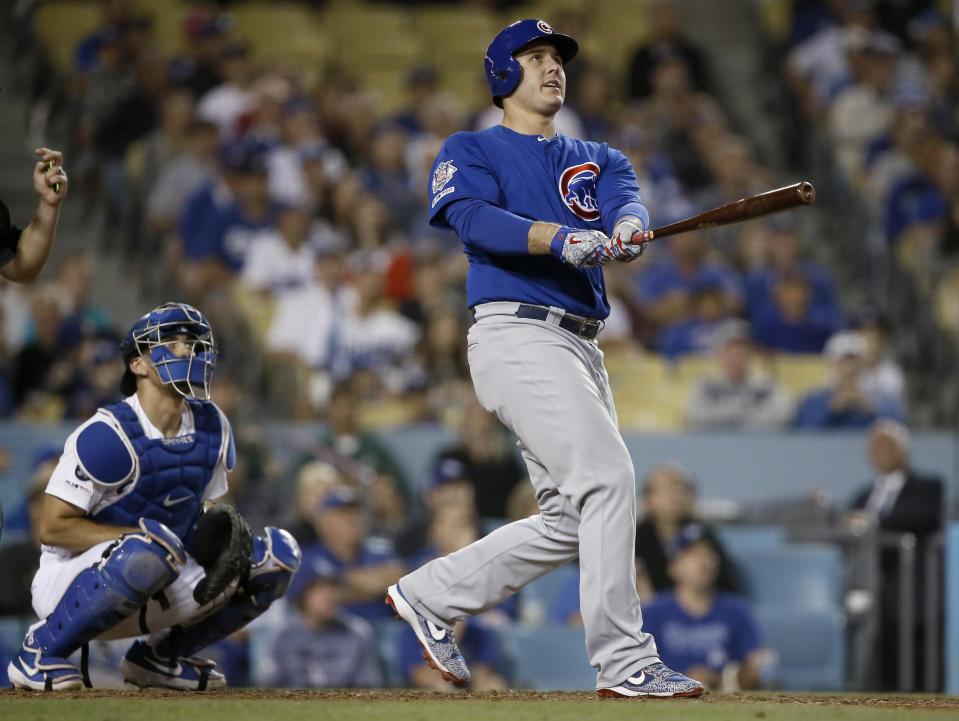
(551, 389)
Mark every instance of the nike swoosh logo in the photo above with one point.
(163, 668)
(574, 242)
(540, 139)
(167, 502)
(438, 634)
(638, 680)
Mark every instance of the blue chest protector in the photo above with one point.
(173, 472)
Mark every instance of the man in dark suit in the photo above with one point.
(898, 500)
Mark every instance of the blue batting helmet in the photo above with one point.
(150, 338)
(503, 71)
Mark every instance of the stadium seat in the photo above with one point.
(800, 373)
(167, 17)
(810, 646)
(807, 576)
(281, 31)
(415, 447)
(61, 24)
(450, 34)
(535, 599)
(547, 657)
(373, 35)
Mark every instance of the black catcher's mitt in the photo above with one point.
(222, 544)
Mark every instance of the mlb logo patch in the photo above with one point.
(577, 188)
(442, 175)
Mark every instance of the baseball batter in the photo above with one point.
(134, 544)
(539, 214)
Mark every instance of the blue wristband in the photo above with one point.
(559, 240)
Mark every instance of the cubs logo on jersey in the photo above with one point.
(577, 188)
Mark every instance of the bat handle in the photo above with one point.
(56, 186)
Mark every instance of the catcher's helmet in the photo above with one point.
(503, 71)
(150, 338)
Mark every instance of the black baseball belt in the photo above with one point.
(585, 328)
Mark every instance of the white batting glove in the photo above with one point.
(629, 240)
(581, 248)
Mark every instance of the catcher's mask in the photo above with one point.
(151, 338)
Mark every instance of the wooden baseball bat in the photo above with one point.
(755, 206)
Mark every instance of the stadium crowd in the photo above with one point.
(292, 211)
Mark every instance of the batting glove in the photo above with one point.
(581, 248)
(629, 240)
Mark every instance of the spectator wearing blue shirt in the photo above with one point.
(699, 333)
(784, 255)
(221, 222)
(792, 323)
(665, 288)
(845, 404)
(710, 636)
(367, 564)
(323, 646)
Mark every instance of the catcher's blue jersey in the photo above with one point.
(559, 180)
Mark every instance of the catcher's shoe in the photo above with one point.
(143, 667)
(42, 673)
(655, 680)
(439, 647)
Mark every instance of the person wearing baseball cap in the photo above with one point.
(707, 634)
(844, 403)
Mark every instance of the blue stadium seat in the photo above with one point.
(535, 599)
(807, 576)
(547, 657)
(810, 645)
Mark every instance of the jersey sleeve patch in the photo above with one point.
(102, 455)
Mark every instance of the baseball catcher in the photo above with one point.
(134, 543)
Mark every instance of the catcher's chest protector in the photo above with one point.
(173, 472)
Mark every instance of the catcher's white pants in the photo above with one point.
(175, 606)
(552, 390)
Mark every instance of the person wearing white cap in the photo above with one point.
(844, 404)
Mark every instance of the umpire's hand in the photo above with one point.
(49, 177)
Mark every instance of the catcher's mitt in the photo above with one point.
(222, 543)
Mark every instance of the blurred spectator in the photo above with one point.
(594, 100)
(422, 84)
(218, 230)
(709, 311)
(448, 485)
(385, 175)
(224, 104)
(737, 397)
(114, 14)
(367, 564)
(282, 260)
(322, 645)
(844, 404)
(205, 36)
(792, 322)
(782, 252)
(20, 560)
(881, 373)
(862, 112)
(668, 500)
(665, 41)
(706, 634)
(182, 176)
(314, 480)
(901, 500)
(665, 287)
(40, 368)
(491, 464)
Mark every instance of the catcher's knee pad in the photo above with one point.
(132, 570)
(276, 557)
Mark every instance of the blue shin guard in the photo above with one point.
(136, 567)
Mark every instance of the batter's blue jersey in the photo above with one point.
(559, 180)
